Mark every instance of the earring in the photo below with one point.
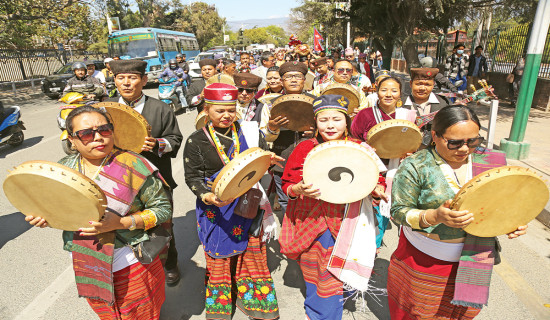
(346, 133)
(433, 143)
(316, 132)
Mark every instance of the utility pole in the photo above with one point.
(514, 146)
(349, 26)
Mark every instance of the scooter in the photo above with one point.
(11, 127)
(111, 89)
(73, 100)
(167, 93)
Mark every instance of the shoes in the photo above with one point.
(172, 277)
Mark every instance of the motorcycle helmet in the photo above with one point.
(179, 55)
(107, 60)
(173, 64)
(78, 65)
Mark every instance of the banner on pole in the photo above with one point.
(113, 23)
(318, 41)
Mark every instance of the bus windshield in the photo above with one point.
(133, 46)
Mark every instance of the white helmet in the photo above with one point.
(107, 60)
(428, 62)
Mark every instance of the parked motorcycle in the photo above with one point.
(167, 93)
(11, 127)
(111, 89)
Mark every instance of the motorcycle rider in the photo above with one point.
(90, 66)
(175, 71)
(109, 78)
(180, 58)
(83, 83)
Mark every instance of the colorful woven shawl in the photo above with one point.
(121, 178)
(478, 255)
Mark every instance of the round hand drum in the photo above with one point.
(501, 200)
(346, 90)
(201, 120)
(241, 173)
(131, 128)
(297, 108)
(268, 98)
(344, 171)
(394, 138)
(65, 198)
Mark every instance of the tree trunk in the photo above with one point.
(411, 54)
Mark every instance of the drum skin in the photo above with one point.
(131, 128)
(201, 120)
(346, 90)
(65, 198)
(394, 138)
(241, 173)
(341, 179)
(501, 200)
(220, 78)
(297, 108)
(268, 98)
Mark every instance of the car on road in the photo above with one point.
(53, 85)
(195, 69)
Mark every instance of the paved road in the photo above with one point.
(38, 281)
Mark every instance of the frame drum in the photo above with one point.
(346, 90)
(297, 108)
(268, 98)
(501, 200)
(344, 171)
(65, 198)
(131, 128)
(394, 138)
(220, 78)
(241, 173)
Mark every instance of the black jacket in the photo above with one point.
(164, 125)
(482, 65)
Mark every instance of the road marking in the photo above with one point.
(532, 301)
(42, 302)
(29, 148)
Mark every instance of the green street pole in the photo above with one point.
(514, 146)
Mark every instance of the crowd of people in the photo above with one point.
(414, 191)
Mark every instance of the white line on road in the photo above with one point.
(42, 302)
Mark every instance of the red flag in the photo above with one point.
(318, 40)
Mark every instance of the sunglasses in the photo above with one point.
(294, 76)
(342, 70)
(249, 91)
(457, 144)
(87, 135)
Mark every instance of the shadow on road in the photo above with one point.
(7, 149)
(187, 298)
(12, 226)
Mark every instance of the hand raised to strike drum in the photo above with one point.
(109, 222)
(379, 193)
(149, 144)
(450, 218)
(211, 199)
(276, 123)
(309, 133)
(306, 190)
(36, 221)
(276, 160)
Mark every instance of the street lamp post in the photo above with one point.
(514, 146)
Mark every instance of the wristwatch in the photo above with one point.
(133, 226)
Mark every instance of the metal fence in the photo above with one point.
(506, 46)
(19, 65)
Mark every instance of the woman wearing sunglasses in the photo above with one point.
(435, 255)
(110, 277)
(311, 226)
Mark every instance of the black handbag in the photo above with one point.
(256, 226)
(147, 251)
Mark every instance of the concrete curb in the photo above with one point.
(544, 218)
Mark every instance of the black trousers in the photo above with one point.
(172, 259)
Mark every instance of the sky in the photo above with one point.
(236, 10)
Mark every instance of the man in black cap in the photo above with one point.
(293, 75)
(195, 98)
(165, 139)
(423, 100)
(247, 83)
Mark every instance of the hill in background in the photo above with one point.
(251, 23)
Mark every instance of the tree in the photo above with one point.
(202, 20)
(314, 13)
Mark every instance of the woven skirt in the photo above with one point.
(139, 293)
(422, 287)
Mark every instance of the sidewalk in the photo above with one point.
(22, 95)
(537, 133)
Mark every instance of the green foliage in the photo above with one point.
(312, 14)
(265, 35)
(201, 19)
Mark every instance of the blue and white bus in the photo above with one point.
(156, 46)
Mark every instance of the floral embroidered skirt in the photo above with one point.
(243, 280)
